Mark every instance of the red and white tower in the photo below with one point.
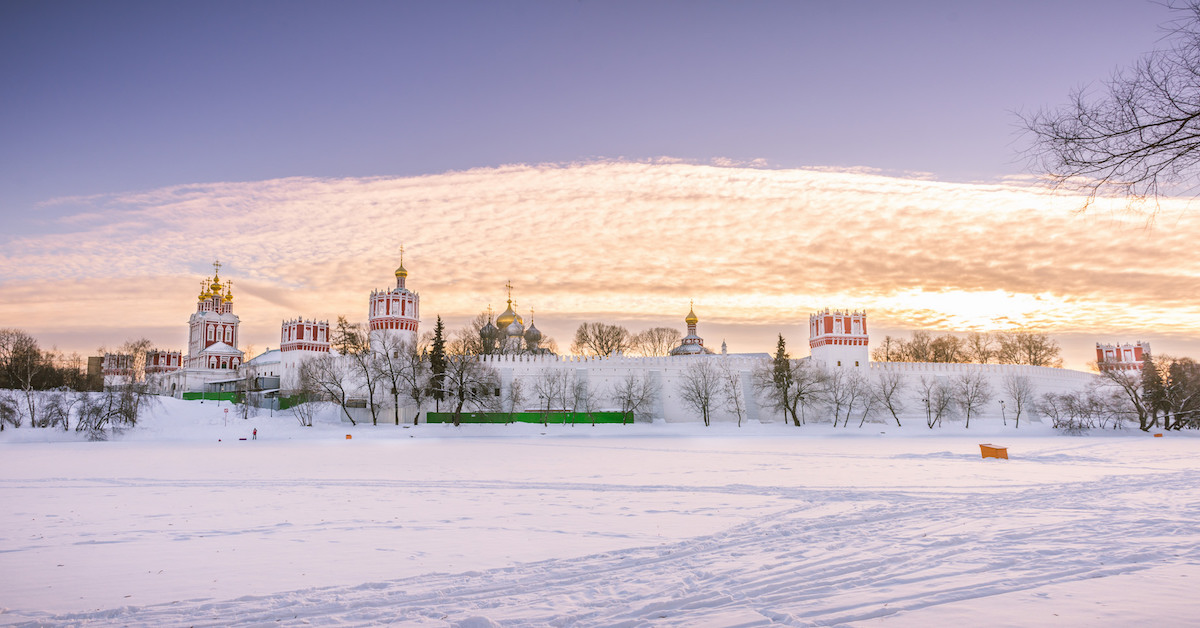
(300, 340)
(394, 314)
(1124, 357)
(213, 327)
(304, 335)
(838, 339)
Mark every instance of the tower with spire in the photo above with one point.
(213, 327)
(692, 344)
(394, 314)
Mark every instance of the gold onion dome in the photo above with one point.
(691, 317)
(216, 285)
(228, 297)
(506, 318)
(400, 272)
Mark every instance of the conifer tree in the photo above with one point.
(1152, 388)
(783, 367)
(781, 376)
(437, 360)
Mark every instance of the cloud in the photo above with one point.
(615, 239)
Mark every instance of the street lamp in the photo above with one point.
(1002, 415)
(927, 421)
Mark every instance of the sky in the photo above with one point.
(614, 160)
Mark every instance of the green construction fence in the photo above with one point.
(210, 396)
(581, 418)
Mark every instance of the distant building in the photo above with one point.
(1124, 357)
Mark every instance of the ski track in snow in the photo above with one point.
(824, 557)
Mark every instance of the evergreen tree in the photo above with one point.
(781, 376)
(348, 338)
(1152, 388)
(437, 360)
(783, 366)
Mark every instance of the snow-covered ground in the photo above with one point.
(179, 522)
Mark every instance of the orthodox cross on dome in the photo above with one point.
(216, 267)
(401, 254)
(509, 286)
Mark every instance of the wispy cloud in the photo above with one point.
(615, 239)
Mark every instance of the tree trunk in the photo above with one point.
(346, 411)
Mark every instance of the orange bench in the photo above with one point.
(993, 451)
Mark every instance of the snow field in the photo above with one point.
(612, 525)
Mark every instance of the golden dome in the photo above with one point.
(216, 285)
(691, 317)
(400, 272)
(506, 318)
(228, 297)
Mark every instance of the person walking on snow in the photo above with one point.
(255, 435)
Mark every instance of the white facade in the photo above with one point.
(838, 342)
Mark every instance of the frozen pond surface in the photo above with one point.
(611, 525)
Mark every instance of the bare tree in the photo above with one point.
(844, 389)
(246, 390)
(1019, 389)
(889, 350)
(731, 390)
(889, 390)
(402, 371)
(8, 410)
(1129, 384)
(919, 348)
(586, 398)
(656, 341)
(979, 347)
(306, 395)
(700, 386)
(508, 402)
(948, 348)
(972, 393)
(24, 364)
(790, 386)
(554, 388)
(938, 399)
(355, 343)
(635, 393)
(601, 339)
(117, 407)
(869, 402)
(333, 377)
(1140, 136)
(1078, 411)
(468, 383)
(1027, 347)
